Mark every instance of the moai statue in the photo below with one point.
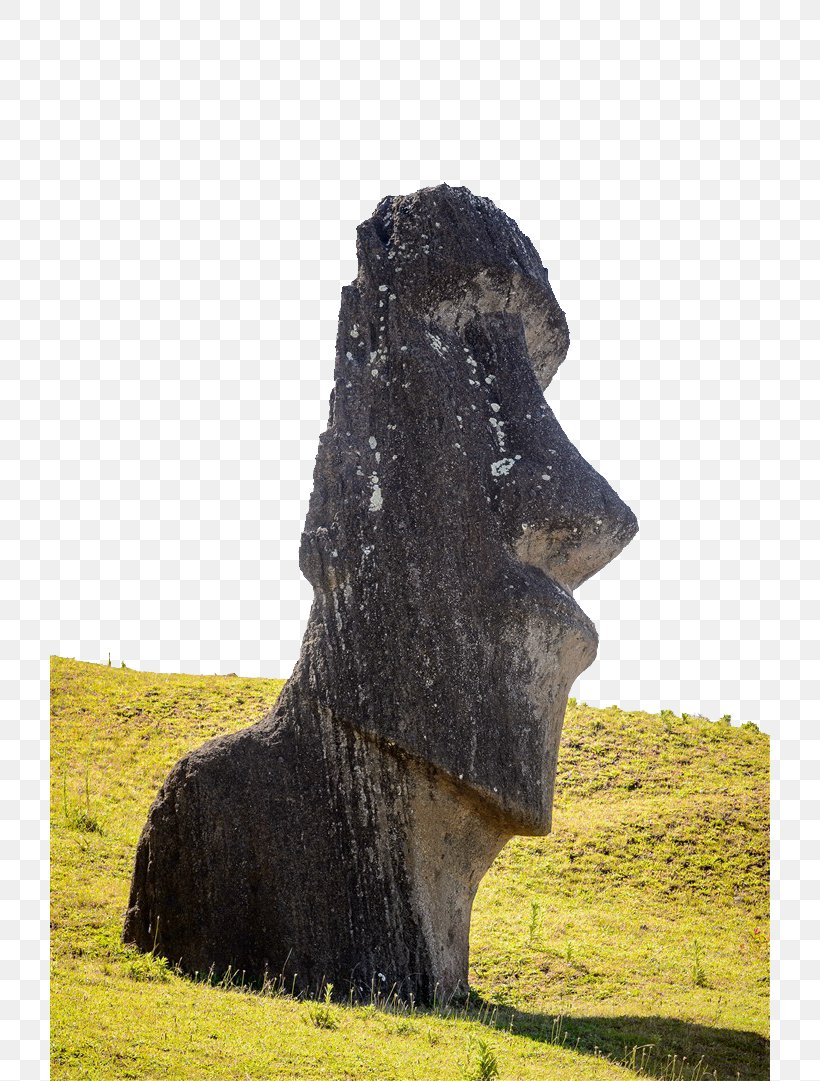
(343, 837)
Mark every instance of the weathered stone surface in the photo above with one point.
(343, 837)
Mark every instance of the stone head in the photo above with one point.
(451, 518)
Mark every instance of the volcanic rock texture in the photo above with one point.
(343, 837)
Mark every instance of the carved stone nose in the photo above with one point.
(574, 539)
(557, 512)
(562, 516)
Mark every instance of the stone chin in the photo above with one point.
(553, 673)
(547, 644)
(503, 758)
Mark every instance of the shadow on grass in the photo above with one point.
(652, 1046)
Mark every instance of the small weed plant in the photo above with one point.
(482, 1062)
(77, 817)
(698, 971)
(322, 1013)
(148, 968)
(535, 919)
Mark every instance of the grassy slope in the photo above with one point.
(642, 920)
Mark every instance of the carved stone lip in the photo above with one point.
(563, 608)
(584, 623)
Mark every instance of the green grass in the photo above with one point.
(631, 942)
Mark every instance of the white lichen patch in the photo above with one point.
(382, 288)
(546, 476)
(349, 356)
(498, 427)
(436, 343)
(494, 406)
(376, 493)
(502, 467)
(372, 442)
(354, 333)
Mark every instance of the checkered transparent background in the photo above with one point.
(180, 186)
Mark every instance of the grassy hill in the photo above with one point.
(631, 942)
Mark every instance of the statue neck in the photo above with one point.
(412, 845)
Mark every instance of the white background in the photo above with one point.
(179, 190)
